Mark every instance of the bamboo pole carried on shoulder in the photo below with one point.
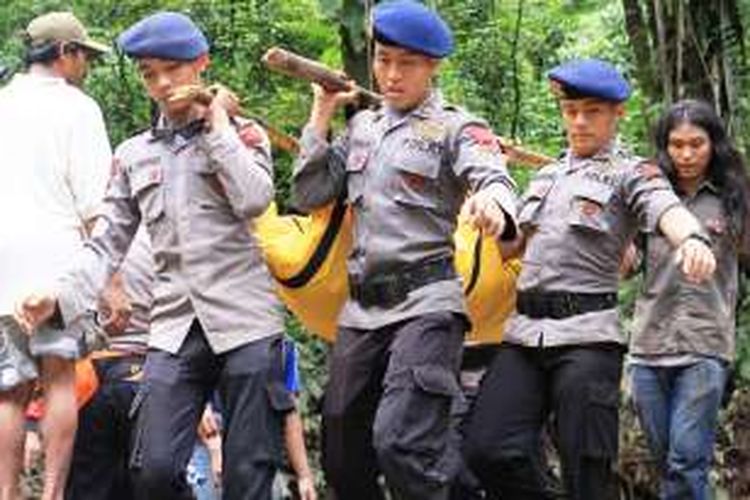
(205, 95)
(295, 65)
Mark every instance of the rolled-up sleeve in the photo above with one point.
(319, 170)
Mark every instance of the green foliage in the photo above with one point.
(743, 333)
(504, 49)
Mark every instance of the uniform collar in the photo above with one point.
(707, 185)
(611, 150)
(167, 132)
(433, 101)
(39, 78)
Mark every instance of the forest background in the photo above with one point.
(669, 49)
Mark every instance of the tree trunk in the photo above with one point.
(661, 51)
(638, 34)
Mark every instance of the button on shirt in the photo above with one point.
(406, 176)
(578, 215)
(195, 195)
(56, 162)
(674, 317)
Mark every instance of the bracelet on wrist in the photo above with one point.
(706, 240)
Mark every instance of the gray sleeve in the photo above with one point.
(242, 161)
(319, 170)
(101, 254)
(481, 163)
(648, 195)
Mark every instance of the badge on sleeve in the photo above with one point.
(251, 136)
(483, 138)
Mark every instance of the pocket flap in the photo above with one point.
(143, 177)
(436, 380)
(594, 191)
(424, 166)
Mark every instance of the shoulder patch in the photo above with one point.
(482, 137)
(251, 135)
(648, 170)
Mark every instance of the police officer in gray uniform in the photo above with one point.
(195, 181)
(562, 351)
(406, 169)
(99, 469)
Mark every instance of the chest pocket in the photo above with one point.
(147, 186)
(589, 206)
(211, 185)
(415, 182)
(533, 200)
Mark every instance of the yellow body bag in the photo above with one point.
(307, 257)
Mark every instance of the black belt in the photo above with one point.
(127, 367)
(391, 288)
(558, 305)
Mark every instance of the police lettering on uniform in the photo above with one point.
(406, 169)
(562, 351)
(194, 180)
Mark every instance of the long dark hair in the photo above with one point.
(726, 169)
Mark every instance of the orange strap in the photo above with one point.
(87, 381)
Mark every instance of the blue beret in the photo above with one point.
(164, 35)
(590, 78)
(412, 25)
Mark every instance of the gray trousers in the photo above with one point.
(387, 409)
(253, 402)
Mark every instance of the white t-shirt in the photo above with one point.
(54, 166)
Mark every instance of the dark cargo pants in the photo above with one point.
(99, 467)
(579, 386)
(253, 398)
(387, 409)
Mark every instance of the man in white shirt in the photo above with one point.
(55, 168)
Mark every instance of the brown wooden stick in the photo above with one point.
(294, 65)
(518, 155)
(204, 95)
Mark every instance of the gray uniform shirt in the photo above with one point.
(578, 215)
(138, 279)
(195, 195)
(674, 317)
(406, 177)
